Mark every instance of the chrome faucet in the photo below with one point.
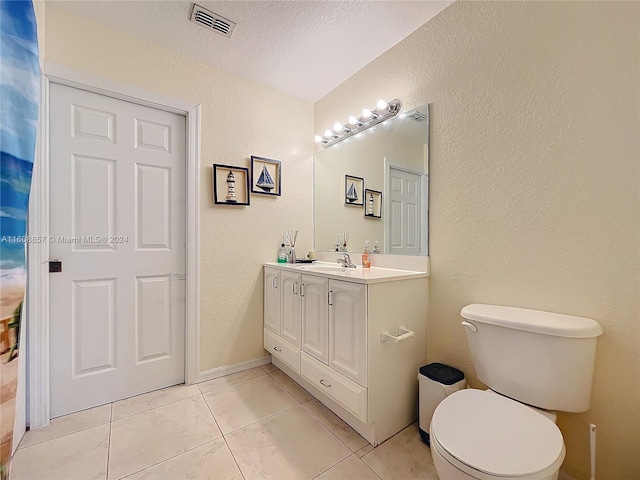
(346, 261)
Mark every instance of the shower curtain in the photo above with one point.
(19, 98)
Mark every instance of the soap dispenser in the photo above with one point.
(366, 263)
(283, 254)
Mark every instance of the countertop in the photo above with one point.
(356, 275)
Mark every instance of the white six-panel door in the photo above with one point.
(405, 193)
(117, 203)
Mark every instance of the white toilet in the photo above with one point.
(532, 362)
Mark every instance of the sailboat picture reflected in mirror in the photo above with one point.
(265, 176)
(353, 190)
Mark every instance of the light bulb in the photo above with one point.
(353, 120)
(338, 127)
(366, 113)
(328, 133)
(318, 138)
(381, 105)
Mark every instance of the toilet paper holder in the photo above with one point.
(403, 334)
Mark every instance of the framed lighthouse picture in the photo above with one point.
(230, 185)
(265, 176)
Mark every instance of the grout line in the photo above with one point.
(261, 420)
(334, 465)
(298, 404)
(298, 385)
(223, 437)
(365, 454)
(229, 384)
(186, 451)
(326, 427)
(212, 415)
(62, 435)
(169, 458)
(369, 466)
(344, 460)
(234, 384)
(153, 408)
(233, 456)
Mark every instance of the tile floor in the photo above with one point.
(256, 424)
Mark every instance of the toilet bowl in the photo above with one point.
(478, 434)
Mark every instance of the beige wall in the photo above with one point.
(534, 183)
(240, 118)
(39, 10)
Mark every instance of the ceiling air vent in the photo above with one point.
(212, 21)
(417, 116)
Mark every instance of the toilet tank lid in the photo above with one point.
(536, 321)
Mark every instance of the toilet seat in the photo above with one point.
(491, 436)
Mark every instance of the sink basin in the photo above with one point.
(325, 267)
(329, 269)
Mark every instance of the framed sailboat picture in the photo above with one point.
(353, 190)
(265, 176)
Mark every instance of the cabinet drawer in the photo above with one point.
(282, 349)
(346, 392)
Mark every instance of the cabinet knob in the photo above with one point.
(277, 349)
(324, 384)
(274, 282)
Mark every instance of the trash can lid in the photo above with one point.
(442, 373)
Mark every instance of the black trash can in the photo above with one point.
(435, 382)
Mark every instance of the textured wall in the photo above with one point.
(534, 183)
(240, 118)
(39, 10)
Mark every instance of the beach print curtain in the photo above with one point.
(19, 98)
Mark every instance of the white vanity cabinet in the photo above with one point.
(272, 299)
(315, 323)
(292, 300)
(291, 323)
(339, 337)
(348, 330)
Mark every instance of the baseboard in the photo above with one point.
(229, 369)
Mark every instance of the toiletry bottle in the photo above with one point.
(375, 247)
(366, 263)
(282, 254)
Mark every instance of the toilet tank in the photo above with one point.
(539, 358)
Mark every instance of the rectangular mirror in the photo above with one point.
(392, 158)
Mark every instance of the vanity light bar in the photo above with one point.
(369, 118)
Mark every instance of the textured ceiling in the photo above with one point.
(304, 48)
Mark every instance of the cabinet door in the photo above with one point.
(290, 326)
(315, 322)
(272, 299)
(348, 330)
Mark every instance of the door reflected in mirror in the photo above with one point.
(393, 160)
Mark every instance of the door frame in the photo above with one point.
(424, 201)
(38, 355)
